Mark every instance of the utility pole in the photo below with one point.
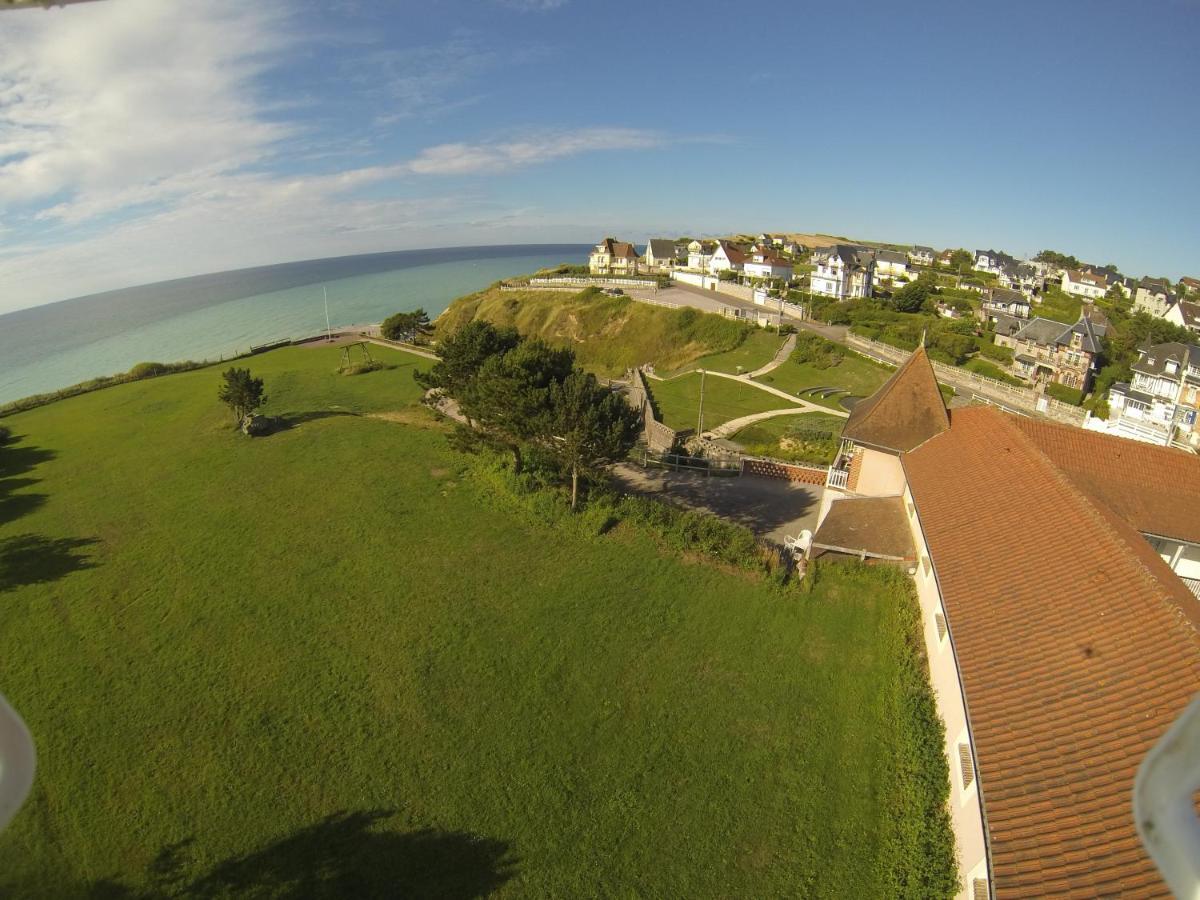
(328, 330)
(700, 418)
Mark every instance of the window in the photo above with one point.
(965, 765)
(979, 889)
(940, 621)
(926, 565)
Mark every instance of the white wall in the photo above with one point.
(966, 811)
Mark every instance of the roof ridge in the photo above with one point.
(1102, 516)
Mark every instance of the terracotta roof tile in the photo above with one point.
(1076, 643)
(904, 413)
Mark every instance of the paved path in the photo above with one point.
(727, 429)
(781, 356)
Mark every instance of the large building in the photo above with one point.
(613, 257)
(1057, 572)
(843, 271)
(1049, 352)
(1161, 402)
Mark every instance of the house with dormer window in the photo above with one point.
(1045, 351)
(992, 261)
(1161, 402)
(843, 271)
(613, 257)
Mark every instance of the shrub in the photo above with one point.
(1071, 395)
(817, 351)
(996, 352)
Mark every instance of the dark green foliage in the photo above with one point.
(951, 347)
(1066, 394)
(586, 426)
(962, 260)
(995, 352)
(462, 354)
(911, 297)
(241, 392)
(405, 326)
(727, 275)
(1058, 259)
(816, 350)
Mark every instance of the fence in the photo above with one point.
(658, 436)
(712, 283)
(597, 280)
(1024, 399)
(772, 468)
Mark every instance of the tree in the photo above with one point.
(587, 427)
(405, 326)
(961, 260)
(462, 355)
(1059, 259)
(241, 392)
(911, 297)
(507, 399)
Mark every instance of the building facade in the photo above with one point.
(613, 257)
(843, 271)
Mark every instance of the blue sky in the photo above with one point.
(142, 140)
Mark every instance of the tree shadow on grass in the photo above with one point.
(343, 856)
(15, 461)
(27, 559)
(291, 420)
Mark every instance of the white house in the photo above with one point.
(1161, 401)
(1043, 627)
(1185, 314)
(843, 271)
(1004, 301)
(613, 257)
(892, 264)
(992, 261)
(921, 256)
(660, 253)
(1084, 284)
(764, 262)
(699, 254)
(727, 255)
(1154, 297)
(1022, 277)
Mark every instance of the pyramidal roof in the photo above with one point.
(903, 414)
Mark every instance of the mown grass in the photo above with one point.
(771, 430)
(855, 374)
(608, 334)
(758, 349)
(1058, 305)
(677, 400)
(327, 663)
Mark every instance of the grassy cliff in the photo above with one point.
(608, 334)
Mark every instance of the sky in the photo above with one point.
(142, 140)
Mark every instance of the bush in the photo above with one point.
(996, 352)
(817, 351)
(1071, 395)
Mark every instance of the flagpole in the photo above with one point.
(328, 330)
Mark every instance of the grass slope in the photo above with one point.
(856, 374)
(322, 664)
(608, 334)
(758, 349)
(678, 400)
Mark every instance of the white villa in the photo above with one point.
(992, 261)
(699, 254)
(660, 253)
(613, 257)
(921, 256)
(843, 272)
(727, 255)
(1162, 401)
(1062, 629)
(1154, 297)
(764, 262)
(891, 264)
(1084, 284)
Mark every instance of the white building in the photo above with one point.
(660, 253)
(921, 256)
(992, 261)
(727, 256)
(766, 263)
(1154, 297)
(892, 264)
(613, 257)
(843, 271)
(699, 254)
(1084, 284)
(1161, 401)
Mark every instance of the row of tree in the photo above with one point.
(520, 393)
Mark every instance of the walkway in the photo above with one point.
(727, 429)
(781, 356)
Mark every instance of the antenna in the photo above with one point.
(328, 330)
(922, 337)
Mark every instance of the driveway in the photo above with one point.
(770, 507)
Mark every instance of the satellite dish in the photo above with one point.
(16, 762)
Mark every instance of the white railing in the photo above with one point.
(837, 478)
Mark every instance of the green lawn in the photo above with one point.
(991, 370)
(1058, 305)
(856, 374)
(321, 664)
(771, 430)
(758, 349)
(805, 442)
(678, 400)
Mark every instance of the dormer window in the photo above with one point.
(1172, 367)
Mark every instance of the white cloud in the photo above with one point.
(503, 156)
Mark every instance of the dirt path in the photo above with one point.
(781, 356)
(733, 426)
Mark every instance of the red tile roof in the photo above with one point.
(904, 413)
(1076, 644)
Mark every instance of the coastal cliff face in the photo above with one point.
(608, 334)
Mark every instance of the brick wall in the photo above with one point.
(787, 471)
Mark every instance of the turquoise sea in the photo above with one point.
(223, 314)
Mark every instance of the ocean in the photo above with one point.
(225, 313)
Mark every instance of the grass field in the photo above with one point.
(321, 664)
(1058, 305)
(756, 350)
(678, 400)
(856, 374)
(771, 430)
(805, 434)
